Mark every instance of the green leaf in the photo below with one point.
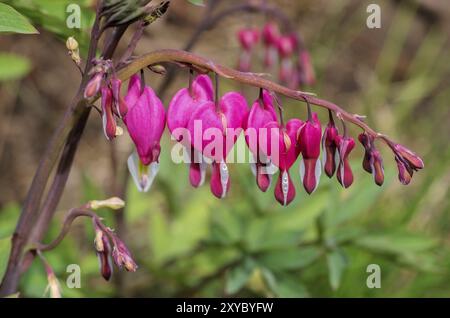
(13, 21)
(5, 246)
(13, 67)
(200, 3)
(396, 242)
(284, 285)
(337, 262)
(239, 276)
(290, 258)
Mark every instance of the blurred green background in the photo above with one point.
(188, 243)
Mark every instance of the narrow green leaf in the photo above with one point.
(239, 276)
(13, 21)
(337, 262)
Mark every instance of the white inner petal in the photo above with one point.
(317, 173)
(301, 169)
(285, 186)
(143, 176)
(224, 177)
(104, 121)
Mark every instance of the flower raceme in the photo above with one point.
(207, 129)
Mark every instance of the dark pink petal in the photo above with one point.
(220, 180)
(284, 188)
(270, 33)
(344, 172)
(109, 122)
(310, 137)
(134, 91)
(183, 104)
(329, 149)
(248, 38)
(145, 122)
(286, 46)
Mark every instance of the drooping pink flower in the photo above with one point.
(248, 38)
(310, 168)
(329, 148)
(103, 250)
(270, 34)
(284, 155)
(344, 171)
(109, 122)
(180, 110)
(261, 113)
(286, 48)
(214, 129)
(305, 69)
(145, 121)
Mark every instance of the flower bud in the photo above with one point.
(72, 44)
(306, 69)
(344, 172)
(329, 148)
(376, 163)
(109, 122)
(93, 86)
(405, 172)
(114, 203)
(122, 256)
(120, 107)
(414, 161)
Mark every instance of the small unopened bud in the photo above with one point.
(72, 44)
(74, 52)
(119, 131)
(114, 203)
(98, 241)
(122, 256)
(93, 86)
(158, 69)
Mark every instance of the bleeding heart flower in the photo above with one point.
(109, 122)
(344, 172)
(209, 127)
(180, 110)
(286, 48)
(329, 148)
(248, 38)
(306, 69)
(145, 121)
(283, 155)
(310, 167)
(261, 113)
(270, 34)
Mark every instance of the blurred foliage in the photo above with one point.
(187, 243)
